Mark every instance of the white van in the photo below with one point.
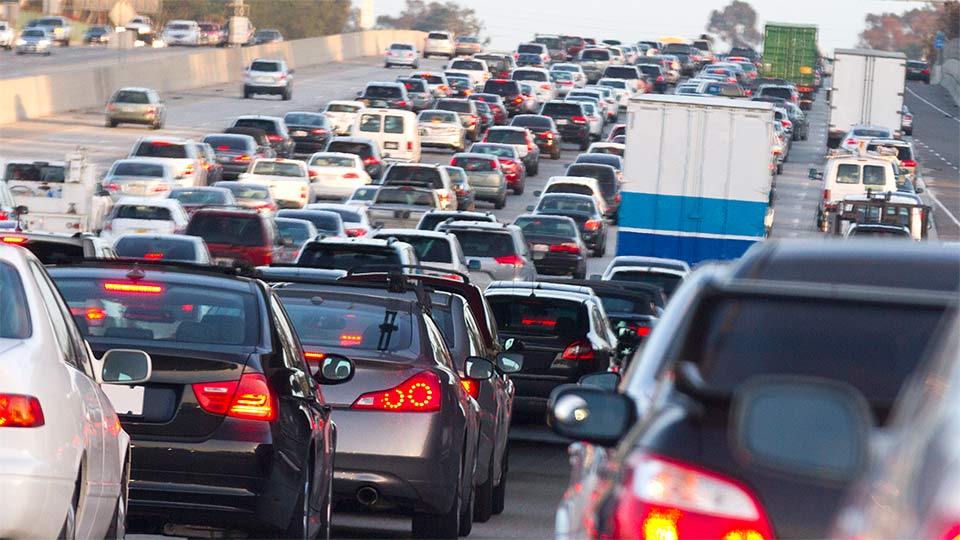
(846, 175)
(394, 130)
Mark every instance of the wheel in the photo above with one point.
(584, 144)
(300, 520)
(246, 93)
(501, 202)
(519, 190)
(500, 492)
(118, 527)
(578, 274)
(446, 525)
(483, 497)
(416, 65)
(779, 168)
(555, 153)
(156, 125)
(287, 94)
(466, 513)
(386, 65)
(69, 529)
(111, 123)
(908, 131)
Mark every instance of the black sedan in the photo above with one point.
(584, 211)
(555, 244)
(310, 132)
(231, 432)
(544, 130)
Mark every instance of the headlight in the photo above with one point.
(21, 41)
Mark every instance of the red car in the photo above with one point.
(236, 236)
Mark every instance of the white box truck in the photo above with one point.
(698, 182)
(866, 88)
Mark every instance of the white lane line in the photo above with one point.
(945, 113)
(944, 208)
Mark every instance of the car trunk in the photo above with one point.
(138, 186)
(140, 226)
(372, 372)
(228, 254)
(540, 244)
(396, 216)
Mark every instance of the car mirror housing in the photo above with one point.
(126, 366)
(607, 380)
(509, 362)
(590, 414)
(473, 264)
(333, 369)
(478, 369)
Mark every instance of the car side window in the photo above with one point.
(57, 315)
(293, 356)
(473, 334)
(438, 346)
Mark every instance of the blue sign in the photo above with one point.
(938, 41)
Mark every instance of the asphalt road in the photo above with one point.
(539, 469)
(77, 57)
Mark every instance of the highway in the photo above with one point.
(77, 57)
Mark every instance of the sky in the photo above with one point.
(509, 22)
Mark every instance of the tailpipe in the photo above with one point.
(367, 496)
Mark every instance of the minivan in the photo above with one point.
(395, 132)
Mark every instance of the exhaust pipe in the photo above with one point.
(367, 496)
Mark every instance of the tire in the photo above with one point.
(118, 527)
(300, 521)
(416, 65)
(287, 94)
(483, 497)
(519, 190)
(584, 144)
(500, 491)
(501, 202)
(779, 168)
(386, 65)
(578, 274)
(908, 131)
(156, 125)
(111, 123)
(436, 526)
(556, 153)
(69, 529)
(246, 93)
(465, 527)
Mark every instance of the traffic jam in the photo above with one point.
(351, 310)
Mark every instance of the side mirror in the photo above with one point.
(126, 366)
(530, 208)
(591, 414)
(595, 277)
(478, 369)
(243, 176)
(812, 174)
(509, 362)
(359, 93)
(513, 344)
(537, 193)
(332, 369)
(801, 426)
(21, 210)
(473, 264)
(606, 380)
(918, 189)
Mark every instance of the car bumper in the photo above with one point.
(232, 170)
(265, 88)
(307, 147)
(486, 193)
(400, 60)
(557, 263)
(33, 49)
(574, 133)
(132, 118)
(442, 140)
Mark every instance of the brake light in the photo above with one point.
(3, 216)
(151, 110)
(591, 224)
(136, 288)
(538, 322)
(518, 100)
(731, 80)
(617, 198)
(188, 169)
(784, 123)
(567, 247)
(510, 260)
(578, 350)
(473, 120)
(160, 143)
(420, 393)
(579, 120)
(826, 194)
(274, 138)
(18, 410)
(643, 331)
(161, 188)
(471, 387)
(926, 72)
(371, 161)
(401, 103)
(794, 98)
(453, 277)
(312, 173)
(659, 78)
(358, 231)
(153, 256)
(547, 135)
(668, 499)
(908, 163)
(545, 86)
(242, 158)
(248, 399)
(851, 141)
(319, 131)
(14, 240)
(409, 146)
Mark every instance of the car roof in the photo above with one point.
(374, 242)
(889, 142)
(228, 210)
(258, 117)
(386, 233)
(582, 180)
(324, 206)
(334, 154)
(59, 238)
(168, 237)
(475, 225)
(635, 260)
(148, 201)
(355, 140)
(540, 288)
(545, 217)
(476, 155)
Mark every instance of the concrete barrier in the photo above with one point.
(947, 74)
(38, 96)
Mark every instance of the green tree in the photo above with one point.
(423, 16)
(736, 24)
(913, 32)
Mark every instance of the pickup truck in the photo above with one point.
(401, 207)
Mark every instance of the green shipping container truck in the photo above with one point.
(790, 53)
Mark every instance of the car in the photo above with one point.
(540, 78)
(509, 90)
(98, 33)
(79, 455)
(918, 70)
(593, 61)
(193, 199)
(499, 249)
(486, 118)
(394, 131)
(466, 110)
(342, 115)
(593, 111)
(906, 155)
(622, 90)
(253, 196)
(268, 76)
(475, 68)
(335, 175)
(57, 27)
(496, 104)
(358, 255)
(59, 248)
(529, 60)
(906, 121)
(878, 231)
(419, 92)
(234, 153)
(607, 147)
(522, 140)
(500, 65)
(538, 49)
(845, 175)
(460, 184)
(384, 95)
(267, 35)
(668, 274)
(327, 223)
(409, 388)
(276, 130)
(467, 46)
(181, 32)
(563, 82)
(555, 244)
(460, 85)
(34, 41)
(144, 215)
(236, 236)
(629, 73)
(237, 393)
(485, 175)
(786, 92)
(310, 131)
(166, 247)
(667, 390)
(212, 33)
(294, 233)
(514, 170)
(585, 210)
(355, 220)
(209, 162)
(565, 332)
(579, 77)
(607, 176)
(423, 175)
(438, 252)
(366, 149)
(578, 185)
(439, 43)
(571, 119)
(139, 177)
(441, 128)
(289, 180)
(613, 160)
(608, 98)
(401, 54)
(430, 220)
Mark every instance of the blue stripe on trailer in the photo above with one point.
(693, 214)
(692, 249)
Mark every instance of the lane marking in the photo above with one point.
(945, 113)
(944, 208)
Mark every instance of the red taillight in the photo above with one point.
(592, 224)
(153, 256)
(274, 138)
(518, 100)
(473, 120)
(471, 387)
(312, 173)
(544, 86)
(579, 120)
(926, 72)
(617, 198)
(17, 410)
(578, 350)
(784, 123)
(643, 331)
(151, 110)
(14, 240)
(3, 215)
(248, 399)
(161, 188)
(358, 231)
(401, 103)
(826, 194)
(409, 146)
(160, 143)
(351, 176)
(908, 163)
(420, 393)
(511, 260)
(663, 498)
(242, 158)
(371, 161)
(319, 131)
(136, 288)
(851, 141)
(565, 248)
(794, 98)
(660, 78)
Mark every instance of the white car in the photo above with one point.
(139, 215)
(607, 147)
(356, 221)
(578, 185)
(342, 115)
(441, 128)
(336, 175)
(540, 79)
(439, 43)
(183, 156)
(289, 180)
(862, 134)
(579, 77)
(34, 41)
(6, 35)
(64, 458)
(595, 116)
(179, 32)
(621, 90)
(401, 54)
(476, 69)
(440, 250)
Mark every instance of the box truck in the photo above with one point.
(866, 88)
(790, 53)
(698, 182)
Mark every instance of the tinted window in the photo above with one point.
(579, 189)
(532, 121)
(539, 316)
(55, 252)
(383, 92)
(228, 229)
(332, 161)
(628, 305)
(198, 196)
(14, 314)
(506, 136)
(342, 321)
(329, 222)
(562, 109)
(279, 168)
(336, 107)
(223, 144)
(131, 96)
(469, 65)
(454, 105)
(415, 85)
(595, 54)
(485, 243)
(361, 149)
(267, 125)
(134, 211)
(145, 247)
(303, 119)
(439, 117)
(873, 175)
(848, 173)
(871, 133)
(392, 124)
(437, 35)
(775, 91)
(346, 257)
(530, 76)
(138, 169)
(508, 152)
(619, 72)
(370, 123)
(161, 149)
(428, 249)
(502, 88)
(550, 227)
(296, 232)
(566, 204)
(399, 174)
(667, 282)
(405, 196)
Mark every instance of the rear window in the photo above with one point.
(561, 110)
(407, 196)
(161, 149)
(500, 151)
(268, 126)
(50, 22)
(628, 305)
(530, 48)
(297, 232)
(903, 152)
(566, 204)
(469, 65)
(179, 26)
(621, 72)
(667, 282)
(539, 316)
(279, 168)
(265, 66)
(136, 211)
(131, 96)
(650, 69)
(438, 35)
(579, 189)
(224, 144)
(14, 314)
(332, 161)
(146, 247)
(471, 164)
(333, 257)
(360, 149)
(606, 177)
(485, 243)
(527, 75)
(532, 121)
(415, 85)
(428, 249)
(337, 107)
(878, 233)
(872, 133)
(455, 106)
(138, 169)
(873, 175)
(198, 196)
(775, 91)
(401, 47)
(506, 136)
(439, 117)
(549, 227)
(400, 174)
(303, 119)
(245, 231)
(174, 313)
(343, 321)
(502, 88)
(595, 54)
(247, 191)
(552, 43)
(916, 64)
(323, 220)
(618, 83)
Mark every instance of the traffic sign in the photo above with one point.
(938, 41)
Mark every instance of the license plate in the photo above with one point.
(130, 109)
(541, 247)
(299, 133)
(125, 399)
(391, 145)
(538, 255)
(142, 231)
(378, 104)
(561, 122)
(265, 79)
(222, 261)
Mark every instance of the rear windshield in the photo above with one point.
(620, 83)
(539, 316)
(405, 196)
(872, 133)
(595, 54)
(415, 85)
(346, 215)
(55, 252)
(297, 232)
(485, 243)
(265, 66)
(269, 126)
(429, 222)
(437, 35)
(532, 121)
(526, 75)
(278, 168)
(549, 227)
(136, 211)
(334, 257)
(399, 174)
(247, 191)
(455, 106)
(621, 72)
(343, 321)
(332, 161)
(903, 152)
(863, 350)
(566, 204)
(337, 107)
(428, 249)
(50, 22)
(774, 91)
(506, 136)
(371, 123)
(226, 144)
(324, 221)
(161, 149)
(138, 169)
(179, 26)
(606, 177)
(439, 117)
(501, 88)
(228, 229)
(174, 313)
(469, 65)
(630, 305)
(198, 196)
(650, 69)
(562, 109)
(131, 96)
(667, 282)
(552, 43)
(530, 48)
(360, 149)
(500, 151)
(146, 247)
(430, 78)
(401, 47)
(579, 189)
(304, 119)
(14, 315)
(878, 233)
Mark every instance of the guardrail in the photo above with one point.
(38, 96)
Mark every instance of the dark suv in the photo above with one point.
(276, 130)
(236, 236)
(570, 120)
(234, 152)
(510, 92)
(607, 177)
(231, 432)
(545, 132)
